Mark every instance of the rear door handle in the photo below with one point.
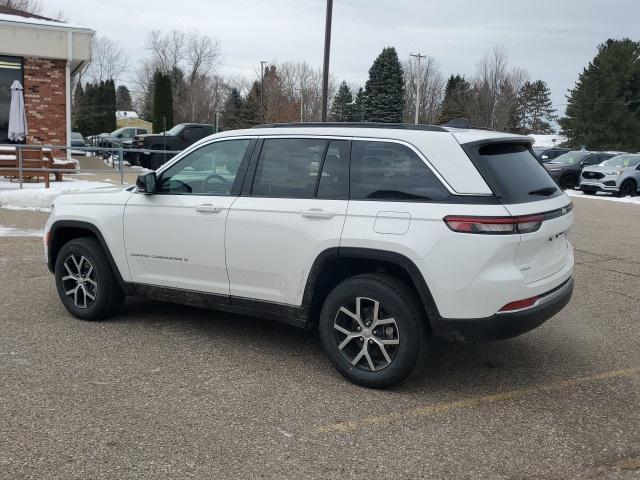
(208, 208)
(317, 213)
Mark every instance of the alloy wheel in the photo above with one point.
(365, 335)
(80, 281)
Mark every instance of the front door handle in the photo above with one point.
(208, 208)
(317, 213)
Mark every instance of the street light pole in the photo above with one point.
(262, 62)
(419, 57)
(325, 69)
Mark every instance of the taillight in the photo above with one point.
(519, 305)
(494, 225)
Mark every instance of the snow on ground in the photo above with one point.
(19, 232)
(35, 197)
(548, 140)
(604, 196)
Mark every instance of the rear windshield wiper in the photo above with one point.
(546, 191)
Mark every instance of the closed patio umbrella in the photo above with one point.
(17, 131)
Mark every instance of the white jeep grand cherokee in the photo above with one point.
(377, 235)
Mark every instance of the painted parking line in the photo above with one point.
(473, 401)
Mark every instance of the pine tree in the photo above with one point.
(384, 91)
(456, 97)
(534, 110)
(123, 99)
(250, 109)
(109, 106)
(358, 106)
(80, 118)
(601, 112)
(342, 108)
(231, 112)
(162, 102)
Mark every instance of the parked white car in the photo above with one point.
(377, 235)
(619, 175)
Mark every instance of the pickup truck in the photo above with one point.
(175, 139)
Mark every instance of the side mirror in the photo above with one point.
(146, 183)
(119, 135)
(583, 163)
(544, 157)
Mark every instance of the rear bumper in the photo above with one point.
(505, 325)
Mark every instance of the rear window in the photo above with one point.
(514, 173)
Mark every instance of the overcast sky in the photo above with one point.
(552, 39)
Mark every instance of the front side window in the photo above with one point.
(391, 171)
(209, 170)
(288, 167)
(193, 133)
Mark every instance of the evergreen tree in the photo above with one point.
(123, 99)
(358, 106)
(109, 106)
(456, 98)
(231, 111)
(250, 109)
(80, 118)
(342, 107)
(162, 102)
(534, 110)
(384, 91)
(602, 112)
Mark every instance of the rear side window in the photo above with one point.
(391, 171)
(513, 172)
(288, 167)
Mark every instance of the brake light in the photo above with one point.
(494, 225)
(519, 304)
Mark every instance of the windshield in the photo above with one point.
(116, 132)
(76, 136)
(571, 158)
(175, 130)
(623, 161)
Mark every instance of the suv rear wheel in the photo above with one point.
(372, 328)
(85, 281)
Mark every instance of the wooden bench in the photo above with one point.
(33, 158)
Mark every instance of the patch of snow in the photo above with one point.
(552, 140)
(604, 196)
(35, 197)
(19, 232)
(114, 158)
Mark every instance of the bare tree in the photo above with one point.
(29, 6)
(302, 87)
(432, 85)
(203, 54)
(494, 91)
(108, 59)
(168, 51)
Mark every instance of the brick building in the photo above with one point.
(44, 55)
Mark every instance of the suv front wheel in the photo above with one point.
(85, 281)
(372, 328)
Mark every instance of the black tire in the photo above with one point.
(104, 287)
(568, 182)
(155, 161)
(397, 302)
(628, 188)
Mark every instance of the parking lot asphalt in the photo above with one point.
(167, 391)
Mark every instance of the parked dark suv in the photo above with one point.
(177, 138)
(566, 168)
(547, 154)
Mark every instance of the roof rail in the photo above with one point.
(464, 123)
(400, 126)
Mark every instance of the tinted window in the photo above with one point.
(572, 158)
(334, 180)
(193, 133)
(623, 161)
(390, 171)
(514, 173)
(209, 170)
(288, 167)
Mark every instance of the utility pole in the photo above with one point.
(325, 69)
(262, 62)
(418, 57)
